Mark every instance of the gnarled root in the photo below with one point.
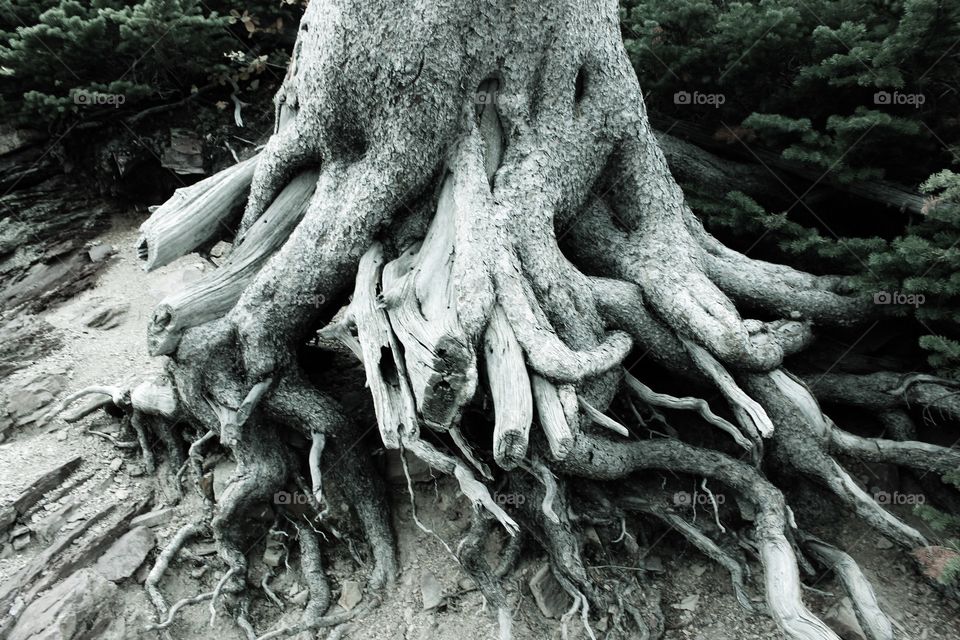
(873, 620)
(601, 459)
(801, 441)
(446, 219)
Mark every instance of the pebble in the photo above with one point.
(21, 543)
(430, 590)
(350, 595)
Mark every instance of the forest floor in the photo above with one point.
(697, 598)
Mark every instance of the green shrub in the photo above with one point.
(66, 60)
(851, 89)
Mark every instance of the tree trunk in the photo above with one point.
(457, 147)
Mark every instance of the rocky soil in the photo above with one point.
(81, 523)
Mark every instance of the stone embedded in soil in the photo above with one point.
(29, 401)
(430, 591)
(154, 518)
(842, 619)
(79, 607)
(100, 252)
(273, 555)
(101, 313)
(49, 526)
(350, 595)
(21, 542)
(884, 543)
(126, 555)
(549, 594)
(24, 339)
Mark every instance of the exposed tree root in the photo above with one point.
(510, 234)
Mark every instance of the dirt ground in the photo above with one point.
(697, 598)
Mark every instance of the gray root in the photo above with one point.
(873, 621)
(195, 215)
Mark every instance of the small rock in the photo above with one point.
(551, 597)
(116, 463)
(30, 401)
(19, 530)
(62, 435)
(884, 543)
(842, 619)
(350, 595)
(20, 543)
(49, 526)
(100, 252)
(592, 538)
(430, 590)
(302, 596)
(272, 556)
(125, 555)
(153, 518)
(6, 551)
(8, 515)
(688, 604)
(196, 574)
(653, 563)
(101, 313)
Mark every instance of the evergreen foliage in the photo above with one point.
(65, 60)
(851, 89)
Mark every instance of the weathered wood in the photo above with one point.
(155, 397)
(601, 419)
(386, 372)
(195, 215)
(214, 295)
(559, 434)
(699, 405)
(874, 622)
(420, 297)
(510, 389)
